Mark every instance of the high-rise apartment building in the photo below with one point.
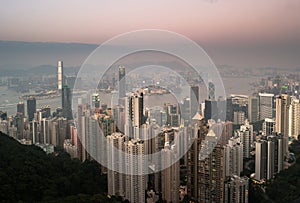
(246, 134)
(282, 118)
(170, 176)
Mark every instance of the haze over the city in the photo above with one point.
(240, 33)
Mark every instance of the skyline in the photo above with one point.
(242, 34)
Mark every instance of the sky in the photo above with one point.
(233, 32)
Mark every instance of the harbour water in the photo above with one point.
(10, 98)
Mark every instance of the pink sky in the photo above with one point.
(266, 32)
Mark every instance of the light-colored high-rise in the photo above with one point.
(265, 105)
(233, 157)
(60, 75)
(269, 126)
(282, 118)
(135, 163)
(294, 118)
(116, 180)
(170, 177)
(246, 135)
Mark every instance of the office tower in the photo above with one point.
(266, 105)
(269, 126)
(211, 171)
(135, 164)
(122, 82)
(170, 179)
(45, 126)
(294, 118)
(238, 117)
(268, 157)
(229, 109)
(19, 124)
(211, 110)
(66, 103)
(116, 180)
(33, 127)
(95, 100)
(31, 108)
(194, 100)
(253, 111)
(237, 189)
(21, 108)
(60, 75)
(233, 157)
(211, 91)
(246, 134)
(282, 118)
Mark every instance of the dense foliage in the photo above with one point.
(286, 186)
(27, 174)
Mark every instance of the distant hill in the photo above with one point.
(27, 174)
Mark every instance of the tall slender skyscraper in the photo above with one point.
(122, 82)
(66, 102)
(282, 118)
(194, 99)
(60, 75)
(31, 108)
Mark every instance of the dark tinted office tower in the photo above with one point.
(194, 99)
(66, 102)
(31, 108)
(21, 108)
(211, 110)
(122, 82)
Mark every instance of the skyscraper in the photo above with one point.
(194, 100)
(266, 105)
(135, 163)
(294, 118)
(211, 171)
(122, 82)
(268, 157)
(170, 179)
(233, 157)
(60, 75)
(116, 180)
(269, 126)
(31, 108)
(66, 103)
(237, 189)
(282, 118)
(253, 109)
(21, 108)
(246, 134)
